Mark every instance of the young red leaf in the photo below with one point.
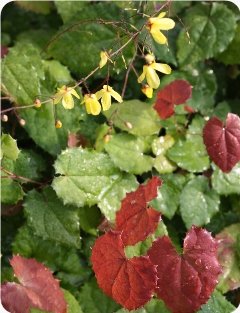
(177, 92)
(135, 219)
(37, 288)
(222, 141)
(130, 282)
(186, 282)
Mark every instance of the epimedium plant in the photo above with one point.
(106, 172)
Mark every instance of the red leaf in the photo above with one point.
(135, 219)
(223, 141)
(130, 282)
(4, 51)
(37, 288)
(177, 92)
(186, 282)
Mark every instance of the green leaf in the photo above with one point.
(163, 165)
(89, 219)
(72, 304)
(111, 202)
(79, 43)
(91, 176)
(153, 306)
(209, 25)
(127, 152)
(37, 37)
(190, 154)
(68, 9)
(9, 147)
(217, 303)
(11, 190)
(221, 110)
(167, 200)
(22, 72)
(50, 219)
(43, 7)
(30, 164)
(141, 116)
(228, 258)
(34, 310)
(226, 183)
(25, 77)
(93, 300)
(198, 203)
(161, 144)
(231, 54)
(64, 260)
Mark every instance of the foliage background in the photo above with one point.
(56, 218)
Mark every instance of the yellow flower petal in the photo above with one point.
(162, 23)
(92, 104)
(148, 91)
(162, 14)
(106, 101)
(74, 93)
(116, 96)
(103, 59)
(57, 97)
(142, 76)
(152, 78)
(67, 101)
(163, 68)
(158, 36)
(99, 94)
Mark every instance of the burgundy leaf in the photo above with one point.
(186, 282)
(222, 141)
(37, 288)
(135, 219)
(4, 51)
(130, 282)
(177, 92)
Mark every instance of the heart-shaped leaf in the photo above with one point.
(222, 141)
(186, 282)
(130, 282)
(177, 92)
(37, 288)
(135, 219)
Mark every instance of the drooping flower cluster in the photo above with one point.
(92, 103)
(102, 99)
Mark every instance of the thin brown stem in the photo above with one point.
(15, 176)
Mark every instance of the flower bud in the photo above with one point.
(37, 103)
(107, 138)
(129, 125)
(22, 122)
(149, 58)
(58, 124)
(4, 118)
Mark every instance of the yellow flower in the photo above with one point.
(148, 91)
(92, 104)
(149, 71)
(104, 57)
(105, 95)
(155, 24)
(66, 95)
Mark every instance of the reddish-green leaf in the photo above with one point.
(135, 219)
(130, 282)
(222, 141)
(186, 282)
(177, 92)
(37, 288)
